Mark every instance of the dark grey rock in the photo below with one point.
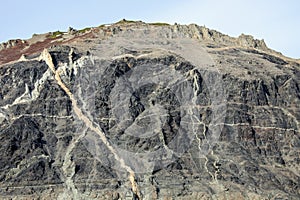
(47, 151)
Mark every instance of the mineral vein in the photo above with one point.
(48, 59)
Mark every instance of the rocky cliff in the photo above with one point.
(148, 111)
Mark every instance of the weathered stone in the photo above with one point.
(221, 124)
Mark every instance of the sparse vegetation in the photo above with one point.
(123, 21)
(56, 34)
(159, 24)
(84, 30)
(101, 26)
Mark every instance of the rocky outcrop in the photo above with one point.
(139, 111)
(11, 43)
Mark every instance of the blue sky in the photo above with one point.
(275, 21)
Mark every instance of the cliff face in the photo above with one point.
(148, 111)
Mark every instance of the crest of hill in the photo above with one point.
(13, 50)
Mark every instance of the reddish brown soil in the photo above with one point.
(15, 52)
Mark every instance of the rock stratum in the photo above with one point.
(148, 111)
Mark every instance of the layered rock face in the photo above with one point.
(148, 111)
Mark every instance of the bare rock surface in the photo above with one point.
(148, 111)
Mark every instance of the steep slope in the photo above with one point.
(148, 111)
